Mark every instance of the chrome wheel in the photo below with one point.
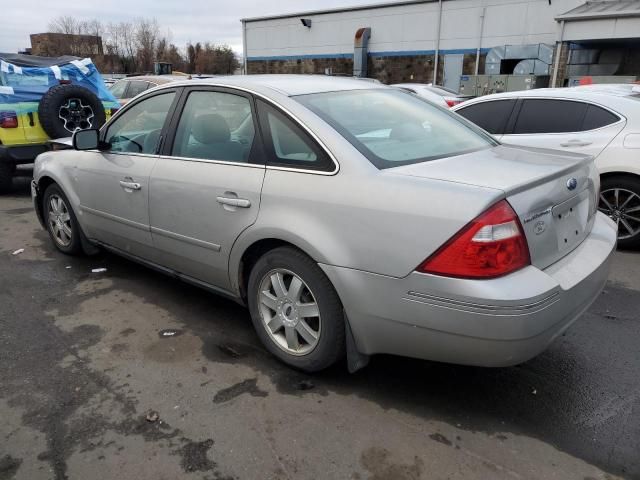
(623, 207)
(59, 221)
(75, 115)
(289, 312)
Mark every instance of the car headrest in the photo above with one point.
(210, 128)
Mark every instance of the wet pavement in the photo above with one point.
(131, 374)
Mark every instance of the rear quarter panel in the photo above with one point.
(378, 222)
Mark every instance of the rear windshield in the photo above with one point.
(392, 127)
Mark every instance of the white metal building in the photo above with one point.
(445, 38)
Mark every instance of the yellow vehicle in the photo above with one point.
(46, 98)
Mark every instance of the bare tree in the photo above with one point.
(146, 36)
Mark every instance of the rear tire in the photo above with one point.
(6, 176)
(61, 222)
(620, 200)
(295, 310)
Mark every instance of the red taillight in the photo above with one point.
(8, 120)
(452, 102)
(490, 246)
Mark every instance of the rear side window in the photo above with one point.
(287, 144)
(118, 89)
(491, 116)
(598, 117)
(550, 116)
(136, 87)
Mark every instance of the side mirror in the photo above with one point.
(86, 139)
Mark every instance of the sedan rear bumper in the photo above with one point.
(493, 323)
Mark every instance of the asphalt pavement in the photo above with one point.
(129, 374)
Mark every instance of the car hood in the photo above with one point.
(507, 168)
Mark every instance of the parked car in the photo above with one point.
(436, 94)
(43, 98)
(346, 215)
(127, 88)
(599, 120)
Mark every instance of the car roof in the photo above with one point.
(289, 85)
(159, 79)
(581, 92)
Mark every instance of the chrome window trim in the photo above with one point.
(206, 160)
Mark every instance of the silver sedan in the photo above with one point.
(351, 218)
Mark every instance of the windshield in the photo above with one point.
(391, 127)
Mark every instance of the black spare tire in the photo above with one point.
(67, 108)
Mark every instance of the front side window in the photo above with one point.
(491, 116)
(391, 128)
(215, 126)
(550, 116)
(137, 130)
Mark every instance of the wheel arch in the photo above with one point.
(246, 257)
(619, 173)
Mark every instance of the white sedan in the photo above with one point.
(599, 120)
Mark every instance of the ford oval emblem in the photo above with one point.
(572, 183)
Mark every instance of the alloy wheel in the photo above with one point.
(60, 221)
(289, 312)
(623, 207)
(76, 115)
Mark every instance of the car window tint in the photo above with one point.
(118, 89)
(288, 144)
(137, 129)
(491, 116)
(136, 87)
(550, 116)
(598, 117)
(215, 126)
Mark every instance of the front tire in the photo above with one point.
(295, 310)
(61, 222)
(620, 200)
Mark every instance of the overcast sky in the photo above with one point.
(216, 21)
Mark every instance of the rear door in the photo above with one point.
(560, 124)
(205, 188)
(113, 185)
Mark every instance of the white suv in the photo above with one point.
(599, 120)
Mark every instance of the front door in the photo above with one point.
(452, 71)
(205, 188)
(113, 185)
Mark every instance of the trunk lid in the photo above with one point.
(553, 193)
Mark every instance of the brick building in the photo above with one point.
(57, 44)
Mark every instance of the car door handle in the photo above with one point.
(234, 202)
(575, 143)
(130, 185)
